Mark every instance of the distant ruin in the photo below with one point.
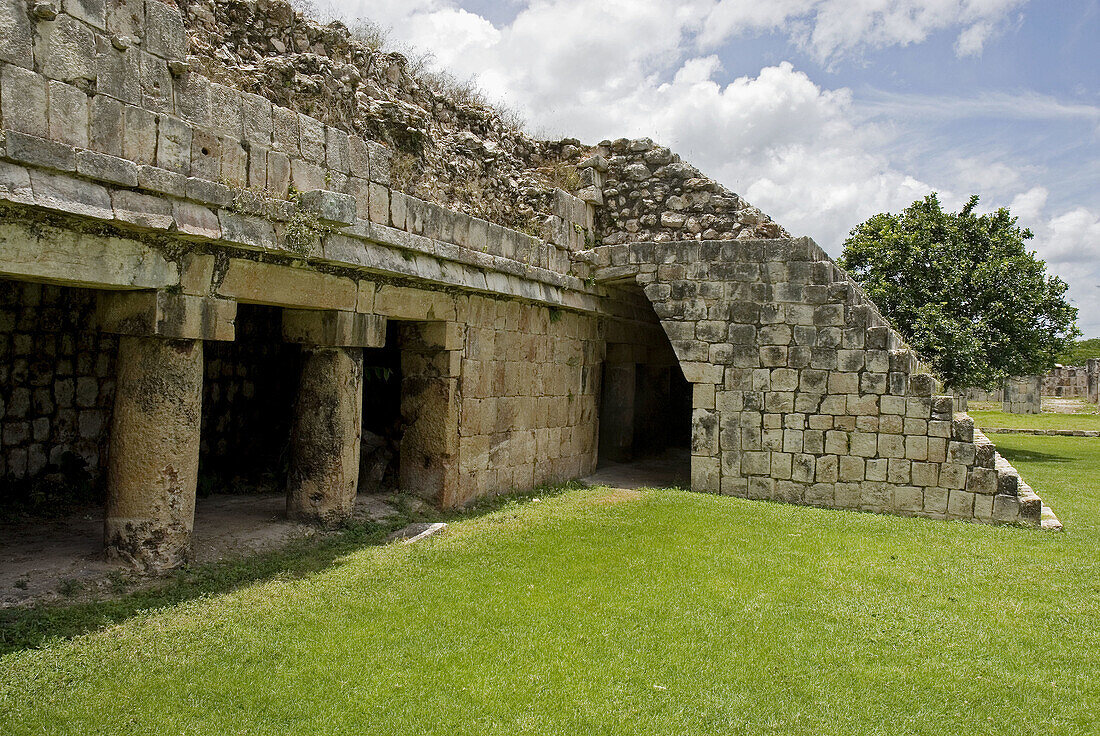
(192, 275)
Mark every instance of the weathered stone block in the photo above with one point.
(311, 139)
(164, 33)
(264, 283)
(331, 207)
(29, 149)
(139, 135)
(960, 504)
(159, 180)
(23, 100)
(105, 125)
(162, 314)
(107, 168)
(337, 150)
(65, 50)
(15, 33)
(381, 163)
(70, 195)
(156, 83)
(195, 219)
(15, 184)
(256, 232)
(142, 210)
(173, 144)
(92, 12)
(118, 73)
(227, 112)
(258, 119)
(334, 328)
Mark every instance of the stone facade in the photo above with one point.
(174, 199)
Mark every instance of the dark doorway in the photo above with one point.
(249, 391)
(380, 453)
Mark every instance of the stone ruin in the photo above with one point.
(194, 276)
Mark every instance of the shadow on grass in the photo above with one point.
(31, 627)
(1031, 456)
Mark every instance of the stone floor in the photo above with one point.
(51, 560)
(672, 468)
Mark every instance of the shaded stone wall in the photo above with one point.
(804, 394)
(1022, 395)
(248, 397)
(57, 379)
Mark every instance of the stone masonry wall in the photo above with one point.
(1067, 381)
(1021, 395)
(529, 392)
(804, 394)
(56, 384)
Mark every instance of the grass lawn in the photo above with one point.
(1048, 420)
(657, 612)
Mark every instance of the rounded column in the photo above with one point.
(154, 451)
(328, 425)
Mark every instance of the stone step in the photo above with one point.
(1049, 521)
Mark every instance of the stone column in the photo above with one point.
(328, 422)
(154, 457)
(431, 366)
(1093, 380)
(153, 465)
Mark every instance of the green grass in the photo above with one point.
(588, 612)
(983, 418)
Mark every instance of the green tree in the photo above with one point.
(963, 290)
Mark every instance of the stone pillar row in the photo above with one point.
(154, 450)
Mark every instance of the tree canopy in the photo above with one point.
(966, 294)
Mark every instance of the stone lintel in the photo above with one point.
(285, 286)
(332, 328)
(167, 315)
(433, 336)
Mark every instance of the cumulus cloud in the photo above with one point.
(832, 29)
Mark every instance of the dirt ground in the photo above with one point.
(672, 468)
(45, 561)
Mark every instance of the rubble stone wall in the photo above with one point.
(56, 383)
(648, 193)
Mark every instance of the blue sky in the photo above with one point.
(821, 112)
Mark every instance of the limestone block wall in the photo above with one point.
(1070, 381)
(529, 392)
(804, 394)
(57, 379)
(104, 117)
(1022, 395)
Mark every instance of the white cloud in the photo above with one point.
(832, 29)
(1029, 205)
(1070, 244)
